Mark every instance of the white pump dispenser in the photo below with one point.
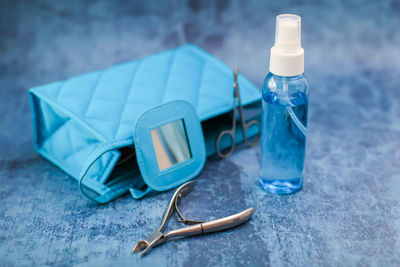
(287, 55)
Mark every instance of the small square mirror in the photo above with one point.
(170, 144)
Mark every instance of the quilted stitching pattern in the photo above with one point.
(112, 99)
(76, 117)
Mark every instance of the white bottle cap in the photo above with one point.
(287, 55)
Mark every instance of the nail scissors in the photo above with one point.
(196, 227)
(245, 125)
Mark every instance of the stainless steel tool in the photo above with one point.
(195, 228)
(230, 133)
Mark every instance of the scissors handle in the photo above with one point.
(231, 134)
(237, 104)
(246, 126)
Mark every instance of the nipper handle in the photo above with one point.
(180, 192)
(212, 226)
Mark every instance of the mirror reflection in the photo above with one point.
(170, 144)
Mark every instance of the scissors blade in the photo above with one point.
(235, 84)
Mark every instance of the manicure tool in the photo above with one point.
(245, 125)
(196, 227)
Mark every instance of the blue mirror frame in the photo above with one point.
(161, 180)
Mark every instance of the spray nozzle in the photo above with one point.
(288, 33)
(287, 55)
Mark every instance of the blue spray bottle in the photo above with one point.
(284, 115)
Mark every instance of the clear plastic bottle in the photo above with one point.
(284, 117)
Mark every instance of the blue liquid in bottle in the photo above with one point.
(283, 133)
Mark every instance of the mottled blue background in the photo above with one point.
(348, 212)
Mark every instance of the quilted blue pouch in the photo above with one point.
(102, 125)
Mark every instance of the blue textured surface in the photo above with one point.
(348, 212)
